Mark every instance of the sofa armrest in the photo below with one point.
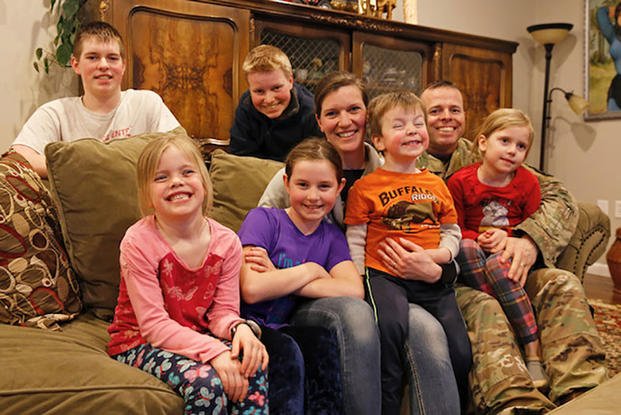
(589, 241)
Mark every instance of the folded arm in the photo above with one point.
(261, 281)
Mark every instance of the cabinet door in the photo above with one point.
(189, 53)
(313, 52)
(484, 77)
(389, 63)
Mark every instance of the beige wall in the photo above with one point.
(24, 26)
(581, 154)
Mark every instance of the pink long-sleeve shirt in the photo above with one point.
(163, 302)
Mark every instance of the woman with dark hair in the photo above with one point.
(612, 32)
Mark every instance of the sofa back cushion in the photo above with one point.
(238, 183)
(94, 186)
(37, 286)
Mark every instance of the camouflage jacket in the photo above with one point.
(550, 227)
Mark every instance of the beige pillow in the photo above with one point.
(94, 187)
(238, 183)
(37, 286)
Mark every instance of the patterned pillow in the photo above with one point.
(37, 286)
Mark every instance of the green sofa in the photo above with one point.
(55, 306)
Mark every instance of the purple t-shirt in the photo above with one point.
(272, 229)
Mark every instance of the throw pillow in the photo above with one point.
(37, 286)
(238, 183)
(94, 186)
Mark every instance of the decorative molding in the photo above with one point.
(356, 23)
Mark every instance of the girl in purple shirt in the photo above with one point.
(292, 254)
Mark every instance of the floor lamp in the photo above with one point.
(548, 34)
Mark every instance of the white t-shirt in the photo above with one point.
(67, 119)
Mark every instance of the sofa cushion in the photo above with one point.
(69, 372)
(37, 286)
(238, 183)
(94, 186)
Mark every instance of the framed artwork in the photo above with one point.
(603, 58)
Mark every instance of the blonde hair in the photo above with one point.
(314, 148)
(267, 58)
(501, 119)
(102, 31)
(150, 158)
(381, 104)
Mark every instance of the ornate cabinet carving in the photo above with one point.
(191, 52)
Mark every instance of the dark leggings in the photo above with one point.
(390, 297)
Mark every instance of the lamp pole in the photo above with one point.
(544, 121)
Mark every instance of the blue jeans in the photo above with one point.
(433, 388)
(352, 321)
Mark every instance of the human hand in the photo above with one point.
(493, 240)
(523, 254)
(408, 260)
(254, 352)
(235, 385)
(258, 259)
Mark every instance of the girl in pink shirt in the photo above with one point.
(177, 316)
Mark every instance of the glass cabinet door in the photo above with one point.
(387, 63)
(313, 52)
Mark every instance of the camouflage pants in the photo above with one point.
(572, 350)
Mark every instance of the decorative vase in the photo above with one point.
(613, 257)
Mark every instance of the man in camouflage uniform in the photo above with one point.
(572, 350)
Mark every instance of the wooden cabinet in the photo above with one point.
(188, 52)
(191, 52)
(483, 75)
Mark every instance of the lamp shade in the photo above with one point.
(549, 33)
(577, 103)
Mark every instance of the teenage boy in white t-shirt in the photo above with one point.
(104, 111)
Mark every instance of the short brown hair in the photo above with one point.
(102, 31)
(381, 104)
(150, 158)
(501, 119)
(335, 81)
(314, 148)
(267, 58)
(442, 83)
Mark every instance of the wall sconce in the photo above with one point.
(548, 34)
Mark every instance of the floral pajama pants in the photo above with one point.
(196, 382)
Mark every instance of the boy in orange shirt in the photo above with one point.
(400, 201)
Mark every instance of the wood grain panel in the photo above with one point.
(189, 53)
(484, 78)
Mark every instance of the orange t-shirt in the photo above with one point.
(399, 205)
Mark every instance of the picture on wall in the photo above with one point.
(603, 58)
